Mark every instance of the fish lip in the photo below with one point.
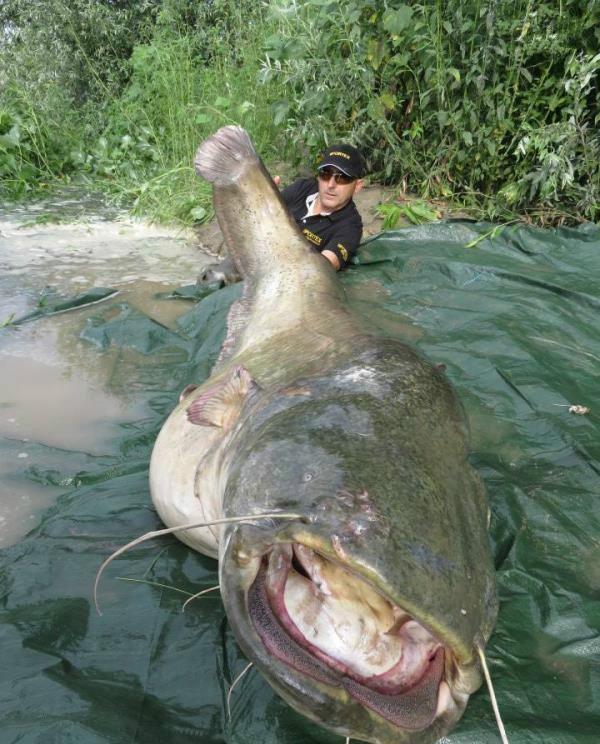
(390, 709)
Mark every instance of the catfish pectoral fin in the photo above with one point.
(221, 405)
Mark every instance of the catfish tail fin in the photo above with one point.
(224, 156)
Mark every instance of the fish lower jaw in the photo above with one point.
(331, 628)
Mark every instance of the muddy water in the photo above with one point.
(54, 389)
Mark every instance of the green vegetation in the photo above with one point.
(491, 105)
(131, 125)
(414, 212)
(59, 64)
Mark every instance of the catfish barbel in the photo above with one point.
(366, 610)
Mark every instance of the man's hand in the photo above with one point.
(332, 258)
(277, 180)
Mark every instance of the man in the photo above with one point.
(323, 209)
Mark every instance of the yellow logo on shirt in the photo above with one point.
(311, 236)
(343, 251)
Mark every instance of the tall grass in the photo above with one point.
(59, 61)
(36, 138)
(195, 71)
(171, 103)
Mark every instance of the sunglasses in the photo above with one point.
(326, 174)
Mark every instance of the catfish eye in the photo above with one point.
(307, 477)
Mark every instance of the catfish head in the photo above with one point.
(365, 612)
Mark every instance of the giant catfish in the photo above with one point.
(365, 611)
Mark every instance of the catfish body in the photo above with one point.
(365, 612)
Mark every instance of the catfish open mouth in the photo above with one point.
(327, 623)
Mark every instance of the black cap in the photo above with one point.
(343, 157)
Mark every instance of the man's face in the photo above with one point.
(333, 193)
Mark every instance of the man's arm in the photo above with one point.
(343, 245)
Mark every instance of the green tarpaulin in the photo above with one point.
(515, 318)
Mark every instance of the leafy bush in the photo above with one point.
(81, 45)
(492, 102)
(59, 63)
(123, 92)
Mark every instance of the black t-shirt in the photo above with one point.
(339, 232)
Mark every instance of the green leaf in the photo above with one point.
(11, 138)
(199, 214)
(244, 107)
(222, 102)
(417, 213)
(422, 212)
(280, 111)
(376, 51)
(375, 109)
(388, 100)
(400, 59)
(391, 214)
(491, 234)
(273, 46)
(396, 21)
(8, 163)
(526, 74)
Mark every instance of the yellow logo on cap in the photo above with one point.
(343, 251)
(312, 237)
(340, 154)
